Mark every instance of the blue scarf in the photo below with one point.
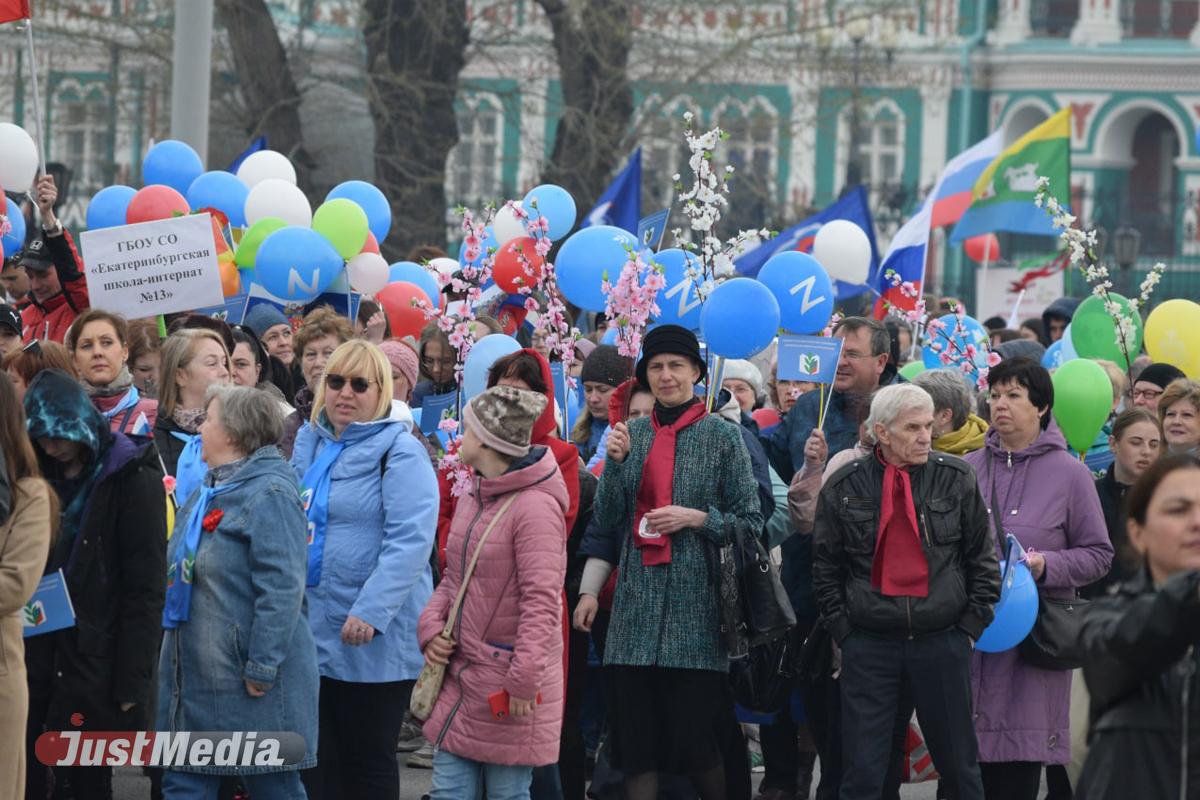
(190, 469)
(314, 494)
(182, 571)
(128, 401)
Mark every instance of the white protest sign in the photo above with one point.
(994, 296)
(153, 268)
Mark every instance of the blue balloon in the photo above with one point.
(372, 202)
(483, 354)
(803, 289)
(585, 257)
(14, 240)
(108, 206)
(972, 334)
(414, 273)
(678, 302)
(173, 163)
(297, 264)
(1015, 614)
(1053, 357)
(610, 335)
(223, 191)
(1068, 346)
(740, 318)
(556, 205)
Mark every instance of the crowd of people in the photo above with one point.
(256, 535)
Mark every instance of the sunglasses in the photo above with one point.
(358, 385)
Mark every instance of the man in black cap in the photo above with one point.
(56, 283)
(1152, 382)
(10, 330)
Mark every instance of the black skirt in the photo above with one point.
(668, 720)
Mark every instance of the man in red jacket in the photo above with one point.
(57, 286)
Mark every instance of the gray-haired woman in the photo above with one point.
(238, 653)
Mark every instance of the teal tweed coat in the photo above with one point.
(666, 615)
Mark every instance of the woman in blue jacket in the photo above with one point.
(371, 499)
(237, 653)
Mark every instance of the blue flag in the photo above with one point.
(50, 608)
(808, 358)
(621, 203)
(258, 144)
(851, 207)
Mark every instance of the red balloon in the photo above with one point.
(985, 247)
(371, 246)
(404, 318)
(508, 268)
(155, 202)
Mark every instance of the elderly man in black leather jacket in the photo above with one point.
(905, 577)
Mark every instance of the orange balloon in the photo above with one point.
(508, 271)
(231, 281)
(156, 202)
(397, 300)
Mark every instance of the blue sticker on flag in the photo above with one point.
(651, 230)
(808, 358)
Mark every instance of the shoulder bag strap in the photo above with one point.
(466, 579)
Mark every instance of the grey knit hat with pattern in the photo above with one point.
(503, 418)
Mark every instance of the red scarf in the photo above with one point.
(658, 476)
(899, 567)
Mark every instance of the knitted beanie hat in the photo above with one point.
(1161, 374)
(262, 317)
(740, 370)
(503, 417)
(605, 365)
(402, 358)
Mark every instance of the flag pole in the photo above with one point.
(37, 98)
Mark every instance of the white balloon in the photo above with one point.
(18, 158)
(507, 227)
(444, 266)
(843, 250)
(368, 272)
(264, 165)
(278, 198)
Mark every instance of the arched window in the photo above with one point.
(878, 147)
(81, 134)
(473, 167)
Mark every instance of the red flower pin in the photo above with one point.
(211, 520)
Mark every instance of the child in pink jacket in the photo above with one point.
(500, 708)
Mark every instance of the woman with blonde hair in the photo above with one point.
(1179, 413)
(193, 359)
(371, 500)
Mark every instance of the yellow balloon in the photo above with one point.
(1173, 335)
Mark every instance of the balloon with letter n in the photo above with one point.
(297, 264)
(803, 290)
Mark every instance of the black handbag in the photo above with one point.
(1054, 641)
(763, 681)
(753, 605)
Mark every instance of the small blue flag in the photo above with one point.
(651, 230)
(808, 358)
(433, 408)
(50, 608)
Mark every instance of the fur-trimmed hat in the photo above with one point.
(503, 417)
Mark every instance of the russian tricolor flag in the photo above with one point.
(906, 259)
(953, 192)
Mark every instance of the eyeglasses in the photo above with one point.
(337, 382)
(856, 356)
(429, 363)
(1146, 394)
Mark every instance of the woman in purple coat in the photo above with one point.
(1046, 498)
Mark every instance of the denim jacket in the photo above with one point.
(246, 617)
(383, 506)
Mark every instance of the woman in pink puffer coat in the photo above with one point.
(507, 642)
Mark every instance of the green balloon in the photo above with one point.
(344, 224)
(912, 369)
(1094, 331)
(1083, 396)
(247, 249)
